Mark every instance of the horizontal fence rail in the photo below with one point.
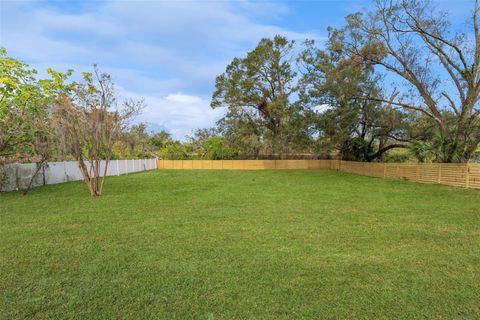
(17, 175)
(466, 175)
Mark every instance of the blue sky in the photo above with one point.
(168, 52)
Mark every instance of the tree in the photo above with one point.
(208, 144)
(258, 89)
(411, 41)
(161, 139)
(199, 136)
(89, 122)
(360, 129)
(216, 148)
(25, 124)
(175, 151)
(22, 103)
(243, 133)
(137, 136)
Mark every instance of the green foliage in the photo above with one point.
(356, 149)
(360, 128)
(24, 107)
(20, 99)
(284, 100)
(436, 149)
(400, 156)
(433, 71)
(57, 84)
(476, 156)
(137, 140)
(161, 139)
(216, 149)
(175, 151)
(258, 91)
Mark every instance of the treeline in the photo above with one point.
(396, 83)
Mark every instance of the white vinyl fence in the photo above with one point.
(17, 176)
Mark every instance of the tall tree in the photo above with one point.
(412, 41)
(359, 129)
(259, 88)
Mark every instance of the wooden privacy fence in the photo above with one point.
(466, 175)
(244, 164)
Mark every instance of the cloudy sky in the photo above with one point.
(168, 52)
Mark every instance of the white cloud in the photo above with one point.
(160, 50)
(183, 98)
(178, 113)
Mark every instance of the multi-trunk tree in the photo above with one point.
(88, 123)
(437, 70)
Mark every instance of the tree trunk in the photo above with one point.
(37, 170)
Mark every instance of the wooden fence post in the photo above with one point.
(384, 170)
(439, 173)
(467, 176)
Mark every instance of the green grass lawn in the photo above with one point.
(241, 245)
